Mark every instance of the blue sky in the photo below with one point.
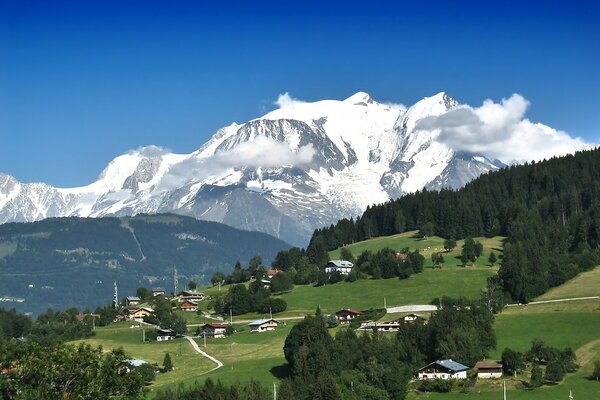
(82, 82)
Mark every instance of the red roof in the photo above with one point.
(189, 304)
(216, 325)
(272, 271)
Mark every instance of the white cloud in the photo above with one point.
(150, 151)
(285, 100)
(261, 152)
(499, 130)
(396, 106)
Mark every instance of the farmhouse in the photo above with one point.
(164, 334)
(132, 301)
(342, 266)
(217, 331)
(346, 315)
(189, 305)
(390, 326)
(488, 369)
(138, 314)
(443, 369)
(263, 325)
(191, 295)
(158, 292)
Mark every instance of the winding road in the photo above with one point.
(198, 350)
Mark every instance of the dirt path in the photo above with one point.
(198, 350)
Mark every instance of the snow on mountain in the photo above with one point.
(286, 173)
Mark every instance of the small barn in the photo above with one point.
(487, 369)
(164, 334)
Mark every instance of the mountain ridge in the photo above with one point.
(299, 167)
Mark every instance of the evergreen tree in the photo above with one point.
(192, 285)
(449, 245)
(167, 363)
(536, 377)
(554, 371)
(492, 259)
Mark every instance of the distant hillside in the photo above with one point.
(64, 262)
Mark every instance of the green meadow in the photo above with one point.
(426, 246)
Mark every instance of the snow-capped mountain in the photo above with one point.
(286, 173)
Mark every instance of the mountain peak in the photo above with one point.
(359, 98)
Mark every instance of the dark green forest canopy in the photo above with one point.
(549, 211)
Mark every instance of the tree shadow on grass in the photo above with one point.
(280, 371)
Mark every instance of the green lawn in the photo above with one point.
(186, 362)
(583, 285)
(426, 246)
(364, 294)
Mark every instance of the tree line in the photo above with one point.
(549, 211)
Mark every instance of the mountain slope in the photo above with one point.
(293, 170)
(64, 262)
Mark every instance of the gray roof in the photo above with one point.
(133, 298)
(260, 322)
(135, 362)
(449, 364)
(341, 263)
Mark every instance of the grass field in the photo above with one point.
(186, 362)
(572, 324)
(426, 246)
(583, 285)
(364, 294)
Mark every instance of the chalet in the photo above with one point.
(342, 266)
(132, 301)
(412, 318)
(217, 331)
(443, 369)
(263, 325)
(391, 326)
(138, 314)
(401, 256)
(158, 292)
(270, 273)
(488, 369)
(346, 315)
(164, 334)
(189, 305)
(191, 295)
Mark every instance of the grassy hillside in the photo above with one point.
(584, 285)
(426, 246)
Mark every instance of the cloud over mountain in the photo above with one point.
(500, 130)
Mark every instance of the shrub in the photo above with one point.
(437, 385)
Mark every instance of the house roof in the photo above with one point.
(133, 298)
(262, 321)
(341, 263)
(448, 364)
(136, 362)
(272, 271)
(486, 364)
(191, 293)
(158, 289)
(349, 311)
(193, 303)
(215, 325)
(167, 331)
(147, 309)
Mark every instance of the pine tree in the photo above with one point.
(492, 259)
(167, 363)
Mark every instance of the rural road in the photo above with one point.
(198, 350)
(554, 301)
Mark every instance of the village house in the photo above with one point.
(164, 334)
(191, 295)
(342, 266)
(270, 273)
(138, 314)
(412, 318)
(217, 331)
(346, 315)
(488, 369)
(263, 325)
(390, 326)
(129, 365)
(132, 301)
(443, 369)
(189, 305)
(158, 292)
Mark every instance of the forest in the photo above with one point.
(549, 211)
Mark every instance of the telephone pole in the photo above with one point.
(175, 280)
(116, 296)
